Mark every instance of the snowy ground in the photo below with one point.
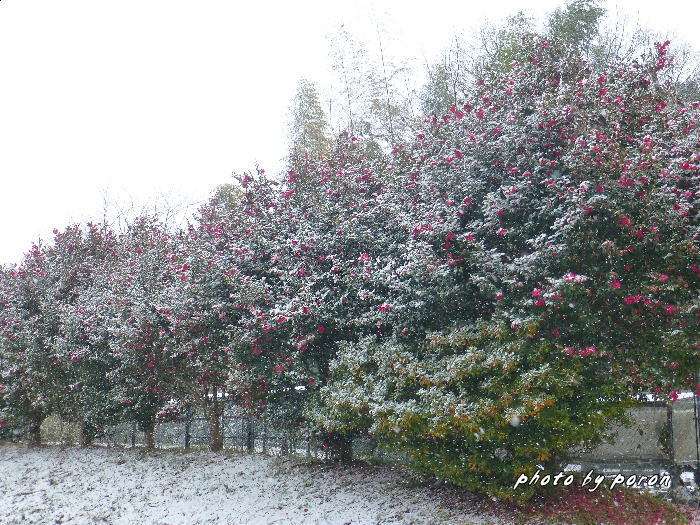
(116, 486)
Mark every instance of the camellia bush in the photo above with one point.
(481, 299)
(564, 204)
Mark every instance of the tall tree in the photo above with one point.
(309, 128)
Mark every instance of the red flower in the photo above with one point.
(589, 350)
(615, 284)
(625, 221)
(632, 299)
(320, 329)
(536, 292)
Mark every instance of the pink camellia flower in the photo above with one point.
(536, 292)
(625, 221)
(458, 154)
(589, 350)
(256, 351)
(632, 299)
(364, 256)
(321, 329)
(501, 232)
(615, 284)
(663, 277)
(384, 307)
(670, 310)
(278, 369)
(499, 296)
(539, 302)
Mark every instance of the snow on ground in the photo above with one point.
(122, 486)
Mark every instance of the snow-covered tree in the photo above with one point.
(564, 204)
(137, 301)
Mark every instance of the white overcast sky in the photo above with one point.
(132, 99)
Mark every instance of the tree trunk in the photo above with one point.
(216, 439)
(264, 437)
(340, 447)
(188, 428)
(34, 430)
(85, 433)
(150, 435)
(250, 437)
(344, 452)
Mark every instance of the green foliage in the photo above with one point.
(309, 128)
(576, 24)
(475, 406)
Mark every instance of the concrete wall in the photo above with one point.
(648, 438)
